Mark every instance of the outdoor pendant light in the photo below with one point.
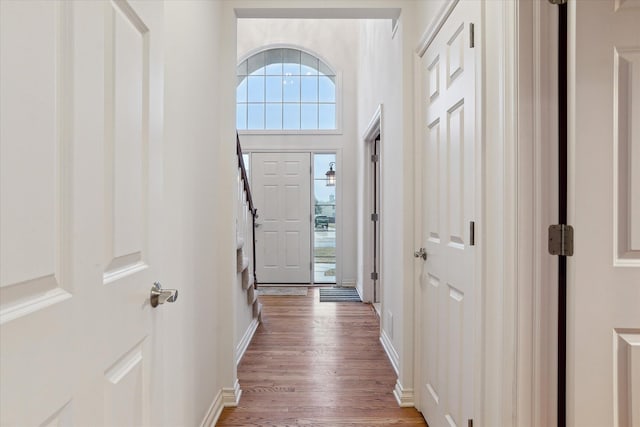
(331, 175)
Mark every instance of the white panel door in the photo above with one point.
(447, 280)
(81, 183)
(603, 293)
(281, 186)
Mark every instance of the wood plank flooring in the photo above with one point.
(317, 364)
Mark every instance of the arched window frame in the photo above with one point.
(338, 96)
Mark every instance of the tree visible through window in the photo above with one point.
(285, 89)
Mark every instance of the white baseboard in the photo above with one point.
(242, 346)
(349, 283)
(392, 354)
(231, 396)
(404, 396)
(227, 397)
(214, 412)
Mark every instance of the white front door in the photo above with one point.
(447, 280)
(603, 291)
(281, 186)
(81, 184)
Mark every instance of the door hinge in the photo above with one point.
(374, 275)
(375, 158)
(561, 240)
(375, 217)
(472, 233)
(472, 35)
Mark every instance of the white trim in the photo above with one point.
(231, 395)
(226, 398)
(242, 346)
(536, 371)
(432, 29)
(392, 354)
(214, 412)
(337, 131)
(395, 24)
(374, 126)
(257, 50)
(404, 396)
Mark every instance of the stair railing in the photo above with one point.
(251, 207)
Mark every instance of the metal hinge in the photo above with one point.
(374, 275)
(375, 217)
(472, 36)
(561, 240)
(472, 233)
(375, 158)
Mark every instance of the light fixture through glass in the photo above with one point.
(331, 175)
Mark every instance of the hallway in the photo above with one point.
(319, 364)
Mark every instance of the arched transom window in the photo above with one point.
(285, 89)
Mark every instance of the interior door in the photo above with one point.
(447, 280)
(81, 184)
(603, 275)
(281, 185)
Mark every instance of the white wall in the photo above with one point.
(198, 349)
(321, 38)
(386, 77)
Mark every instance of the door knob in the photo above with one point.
(160, 296)
(421, 253)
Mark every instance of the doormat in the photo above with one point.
(339, 295)
(295, 291)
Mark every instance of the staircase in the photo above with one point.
(245, 237)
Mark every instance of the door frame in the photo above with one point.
(338, 169)
(374, 129)
(516, 299)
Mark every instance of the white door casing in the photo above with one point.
(281, 185)
(81, 186)
(448, 185)
(603, 275)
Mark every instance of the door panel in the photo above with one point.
(603, 275)
(448, 183)
(281, 187)
(81, 131)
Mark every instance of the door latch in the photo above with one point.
(421, 253)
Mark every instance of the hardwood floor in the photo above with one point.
(317, 364)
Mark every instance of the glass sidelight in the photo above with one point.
(324, 218)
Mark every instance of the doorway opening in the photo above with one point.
(372, 211)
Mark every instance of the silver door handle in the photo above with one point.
(160, 296)
(421, 253)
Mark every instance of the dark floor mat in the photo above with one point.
(339, 295)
